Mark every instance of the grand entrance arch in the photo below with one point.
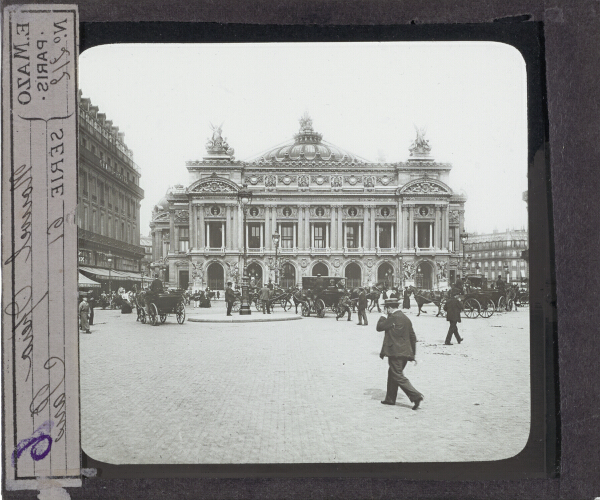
(287, 279)
(353, 274)
(385, 274)
(321, 269)
(255, 271)
(424, 277)
(216, 276)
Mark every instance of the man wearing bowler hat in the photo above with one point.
(400, 346)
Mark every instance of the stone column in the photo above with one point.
(173, 246)
(333, 232)
(301, 227)
(235, 223)
(200, 229)
(208, 235)
(447, 229)
(294, 239)
(274, 226)
(228, 225)
(223, 233)
(261, 236)
(327, 236)
(240, 228)
(312, 235)
(399, 245)
(268, 228)
(365, 228)
(372, 226)
(307, 240)
(411, 228)
(340, 230)
(417, 236)
(461, 225)
(392, 239)
(437, 223)
(377, 235)
(431, 235)
(191, 225)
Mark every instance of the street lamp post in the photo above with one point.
(464, 237)
(142, 273)
(276, 243)
(506, 271)
(109, 260)
(244, 198)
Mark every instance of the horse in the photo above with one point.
(425, 297)
(374, 296)
(298, 297)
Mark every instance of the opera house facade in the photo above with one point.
(332, 213)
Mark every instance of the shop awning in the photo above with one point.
(100, 273)
(85, 282)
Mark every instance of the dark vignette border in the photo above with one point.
(540, 457)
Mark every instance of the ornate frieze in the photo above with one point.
(303, 181)
(319, 180)
(385, 212)
(213, 186)
(424, 212)
(384, 180)
(287, 212)
(425, 187)
(254, 179)
(353, 212)
(161, 217)
(270, 181)
(353, 180)
(182, 216)
(255, 212)
(454, 217)
(369, 181)
(336, 181)
(214, 210)
(320, 211)
(286, 179)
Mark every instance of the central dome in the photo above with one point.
(308, 145)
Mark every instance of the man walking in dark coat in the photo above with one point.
(453, 307)
(265, 298)
(400, 346)
(229, 298)
(362, 307)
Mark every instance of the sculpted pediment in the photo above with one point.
(425, 187)
(161, 217)
(214, 185)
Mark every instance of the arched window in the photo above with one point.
(353, 275)
(216, 276)
(287, 278)
(321, 269)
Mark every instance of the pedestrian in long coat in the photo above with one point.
(265, 299)
(453, 307)
(362, 307)
(406, 302)
(229, 298)
(400, 347)
(84, 311)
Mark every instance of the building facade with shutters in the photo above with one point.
(109, 197)
(336, 215)
(498, 253)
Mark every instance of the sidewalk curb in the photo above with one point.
(241, 319)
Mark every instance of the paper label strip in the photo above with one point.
(39, 246)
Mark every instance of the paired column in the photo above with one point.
(399, 227)
(200, 229)
(447, 229)
(366, 229)
(268, 231)
(372, 227)
(240, 229)
(307, 235)
(173, 247)
(228, 226)
(341, 237)
(333, 228)
(437, 228)
(301, 227)
(411, 228)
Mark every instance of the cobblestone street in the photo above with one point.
(300, 391)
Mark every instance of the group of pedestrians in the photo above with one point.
(346, 305)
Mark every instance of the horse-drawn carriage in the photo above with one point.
(321, 293)
(480, 299)
(154, 308)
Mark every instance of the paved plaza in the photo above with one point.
(300, 391)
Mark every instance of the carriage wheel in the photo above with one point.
(153, 314)
(320, 308)
(305, 309)
(501, 303)
(163, 317)
(142, 315)
(472, 308)
(509, 305)
(180, 313)
(487, 308)
(236, 305)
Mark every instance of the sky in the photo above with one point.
(366, 98)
